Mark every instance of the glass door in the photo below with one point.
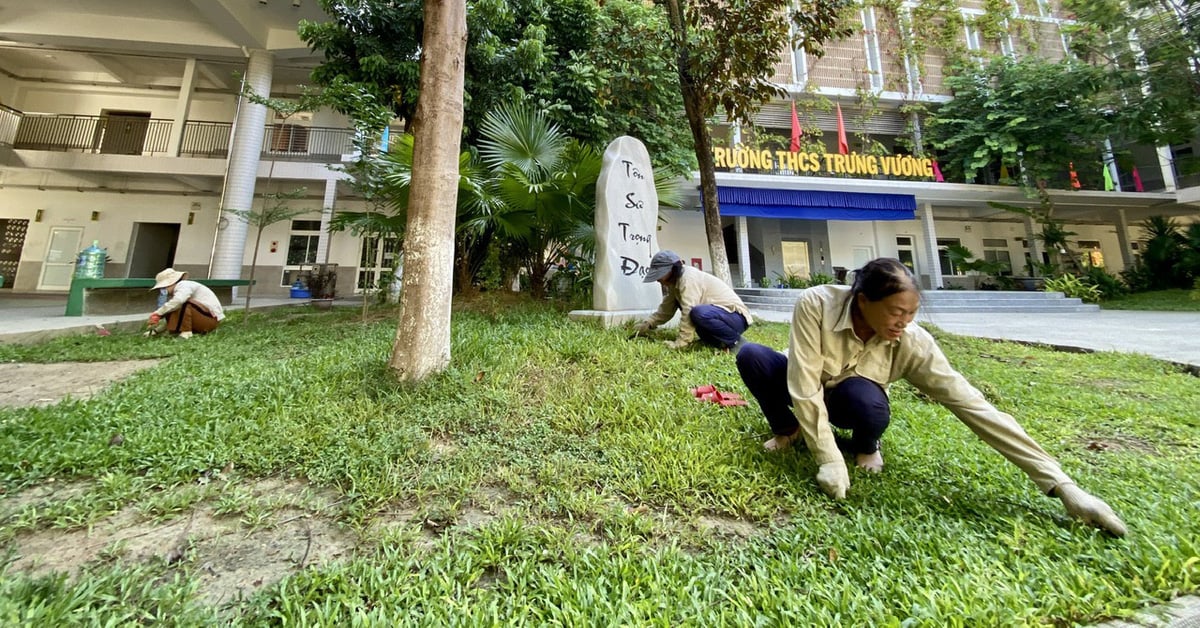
(376, 260)
(796, 261)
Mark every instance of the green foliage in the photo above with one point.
(1109, 285)
(622, 499)
(542, 184)
(1168, 256)
(821, 279)
(791, 281)
(1177, 300)
(1154, 82)
(596, 70)
(1073, 287)
(1027, 113)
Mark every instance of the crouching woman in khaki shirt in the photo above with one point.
(847, 344)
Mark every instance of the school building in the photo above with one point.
(121, 123)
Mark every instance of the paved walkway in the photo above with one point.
(1170, 336)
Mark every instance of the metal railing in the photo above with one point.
(116, 135)
(205, 139)
(306, 143)
(10, 119)
(130, 135)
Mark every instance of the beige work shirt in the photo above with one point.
(197, 293)
(823, 351)
(696, 287)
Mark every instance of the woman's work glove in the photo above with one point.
(676, 344)
(833, 479)
(1089, 509)
(642, 327)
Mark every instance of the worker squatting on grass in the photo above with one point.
(708, 307)
(846, 345)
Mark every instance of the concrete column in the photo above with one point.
(242, 172)
(1035, 245)
(326, 216)
(929, 235)
(1123, 238)
(1166, 164)
(743, 242)
(186, 87)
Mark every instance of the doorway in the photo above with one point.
(12, 241)
(151, 248)
(122, 132)
(906, 253)
(796, 260)
(376, 261)
(58, 266)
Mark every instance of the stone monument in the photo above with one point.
(626, 236)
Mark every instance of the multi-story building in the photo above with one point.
(121, 122)
(816, 210)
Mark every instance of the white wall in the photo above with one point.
(683, 232)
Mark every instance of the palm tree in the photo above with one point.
(542, 188)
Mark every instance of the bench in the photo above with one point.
(131, 295)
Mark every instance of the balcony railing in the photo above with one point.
(10, 119)
(133, 135)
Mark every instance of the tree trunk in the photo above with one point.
(693, 105)
(422, 345)
(253, 265)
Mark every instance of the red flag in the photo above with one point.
(843, 145)
(1074, 177)
(1137, 181)
(795, 130)
(937, 173)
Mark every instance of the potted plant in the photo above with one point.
(322, 284)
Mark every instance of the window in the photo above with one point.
(996, 250)
(1090, 251)
(972, 35)
(871, 42)
(1006, 43)
(904, 252)
(911, 64)
(947, 267)
(302, 249)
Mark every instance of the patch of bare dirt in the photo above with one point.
(1119, 442)
(231, 560)
(23, 384)
(726, 526)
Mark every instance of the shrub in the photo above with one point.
(791, 280)
(1074, 287)
(1109, 284)
(820, 279)
(1138, 278)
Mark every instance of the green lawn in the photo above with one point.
(560, 474)
(1160, 300)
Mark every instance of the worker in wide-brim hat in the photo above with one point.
(708, 308)
(191, 307)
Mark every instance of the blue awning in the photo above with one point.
(812, 205)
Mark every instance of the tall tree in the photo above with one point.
(725, 55)
(597, 71)
(1031, 115)
(1151, 51)
(422, 344)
